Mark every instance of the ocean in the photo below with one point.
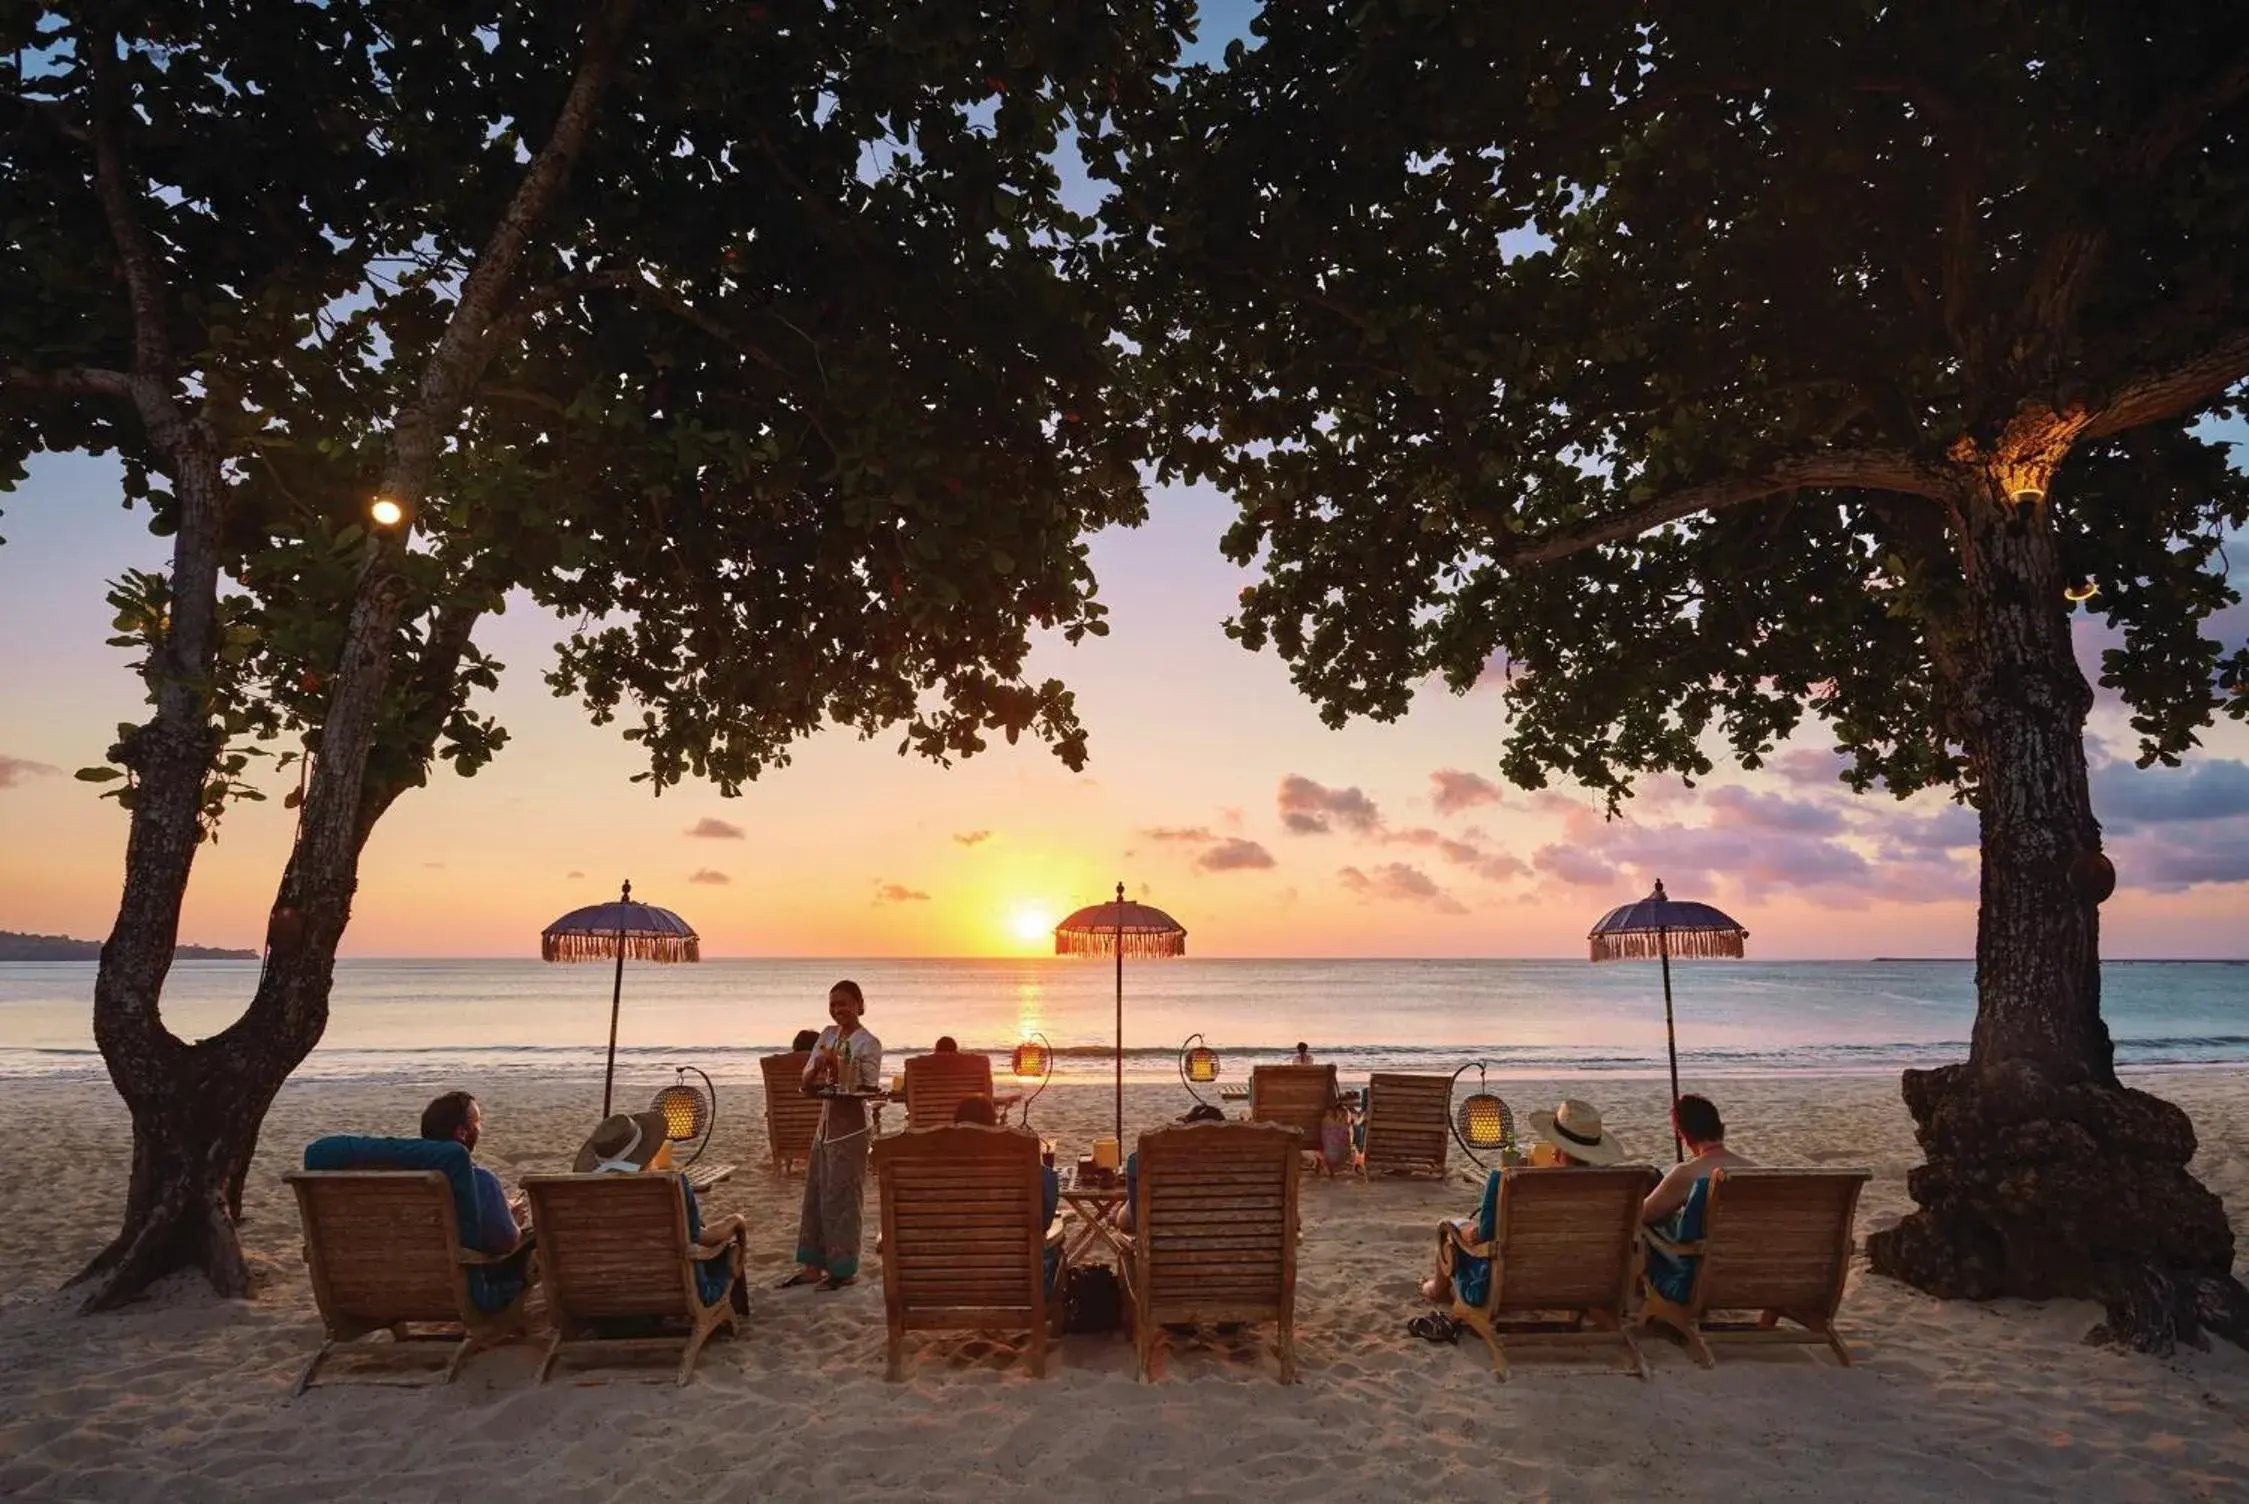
(467, 1020)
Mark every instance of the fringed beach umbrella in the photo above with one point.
(1660, 927)
(624, 928)
(1120, 929)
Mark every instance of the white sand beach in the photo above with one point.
(188, 1397)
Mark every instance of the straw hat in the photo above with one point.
(1574, 1129)
(625, 1143)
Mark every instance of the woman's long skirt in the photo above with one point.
(835, 1185)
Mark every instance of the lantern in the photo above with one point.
(384, 511)
(688, 1111)
(1198, 1065)
(1482, 1122)
(1033, 1061)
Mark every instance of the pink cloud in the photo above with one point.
(1453, 790)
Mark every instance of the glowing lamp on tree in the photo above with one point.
(385, 511)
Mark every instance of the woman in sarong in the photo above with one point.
(846, 1059)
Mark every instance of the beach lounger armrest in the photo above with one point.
(1452, 1232)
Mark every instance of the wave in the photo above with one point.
(1160, 1063)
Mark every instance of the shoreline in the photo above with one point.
(1944, 1400)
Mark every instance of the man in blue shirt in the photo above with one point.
(456, 1116)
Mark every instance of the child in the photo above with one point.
(1335, 1138)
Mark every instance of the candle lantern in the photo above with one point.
(689, 1113)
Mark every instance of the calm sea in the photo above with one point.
(420, 1019)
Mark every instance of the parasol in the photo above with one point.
(1120, 929)
(1662, 927)
(624, 928)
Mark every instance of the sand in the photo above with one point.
(187, 1396)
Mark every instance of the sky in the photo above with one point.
(1213, 791)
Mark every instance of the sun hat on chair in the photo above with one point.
(1574, 1129)
(624, 1143)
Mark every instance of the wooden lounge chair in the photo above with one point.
(384, 1251)
(791, 1117)
(1294, 1096)
(1215, 1235)
(936, 1084)
(964, 1235)
(1777, 1242)
(1566, 1242)
(1409, 1124)
(615, 1249)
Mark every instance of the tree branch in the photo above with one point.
(2193, 383)
(71, 381)
(152, 343)
(1861, 470)
(2183, 115)
(509, 324)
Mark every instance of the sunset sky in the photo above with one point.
(1213, 788)
(1213, 791)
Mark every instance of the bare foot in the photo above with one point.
(1436, 1290)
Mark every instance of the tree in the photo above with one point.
(1709, 365)
(743, 337)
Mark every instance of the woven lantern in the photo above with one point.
(1482, 1122)
(689, 1112)
(1033, 1061)
(1198, 1065)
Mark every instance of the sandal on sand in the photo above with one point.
(1434, 1328)
(796, 1279)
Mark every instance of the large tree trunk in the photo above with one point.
(2044, 1176)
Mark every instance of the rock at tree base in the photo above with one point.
(2073, 1191)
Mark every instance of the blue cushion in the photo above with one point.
(491, 1287)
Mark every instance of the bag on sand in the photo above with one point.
(1093, 1302)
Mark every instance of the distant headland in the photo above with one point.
(21, 947)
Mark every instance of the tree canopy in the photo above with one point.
(791, 406)
(1631, 346)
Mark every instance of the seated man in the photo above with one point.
(457, 1117)
(982, 1112)
(1201, 1112)
(627, 1143)
(1571, 1135)
(806, 1042)
(1674, 1209)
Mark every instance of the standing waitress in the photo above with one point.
(849, 1059)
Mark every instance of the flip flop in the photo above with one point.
(831, 1284)
(796, 1279)
(1434, 1328)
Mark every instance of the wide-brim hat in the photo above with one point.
(623, 1144)
(1574, 1129)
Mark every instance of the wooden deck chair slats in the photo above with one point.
(1567, 1241)
(790, 1116)
(937, 1084)
(1409, 1124)
(1294, 1096)
(615, 1249)
(384, 1251)
(1215, 1238)
(964, 1238)
(1776, 1241)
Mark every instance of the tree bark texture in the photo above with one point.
(2044, 1177)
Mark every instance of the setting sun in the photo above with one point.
(1031, 924)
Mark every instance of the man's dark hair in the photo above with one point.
(1203, 1112)
(447, 1116)
(1698, 1120)
(807, 1039)
(977, 1110)
(946, 1045)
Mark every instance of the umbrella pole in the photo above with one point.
(1120, 1023)
(1670, 1035)
(616, 999)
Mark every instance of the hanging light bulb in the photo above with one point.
(2079, 594)
(386, 511)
